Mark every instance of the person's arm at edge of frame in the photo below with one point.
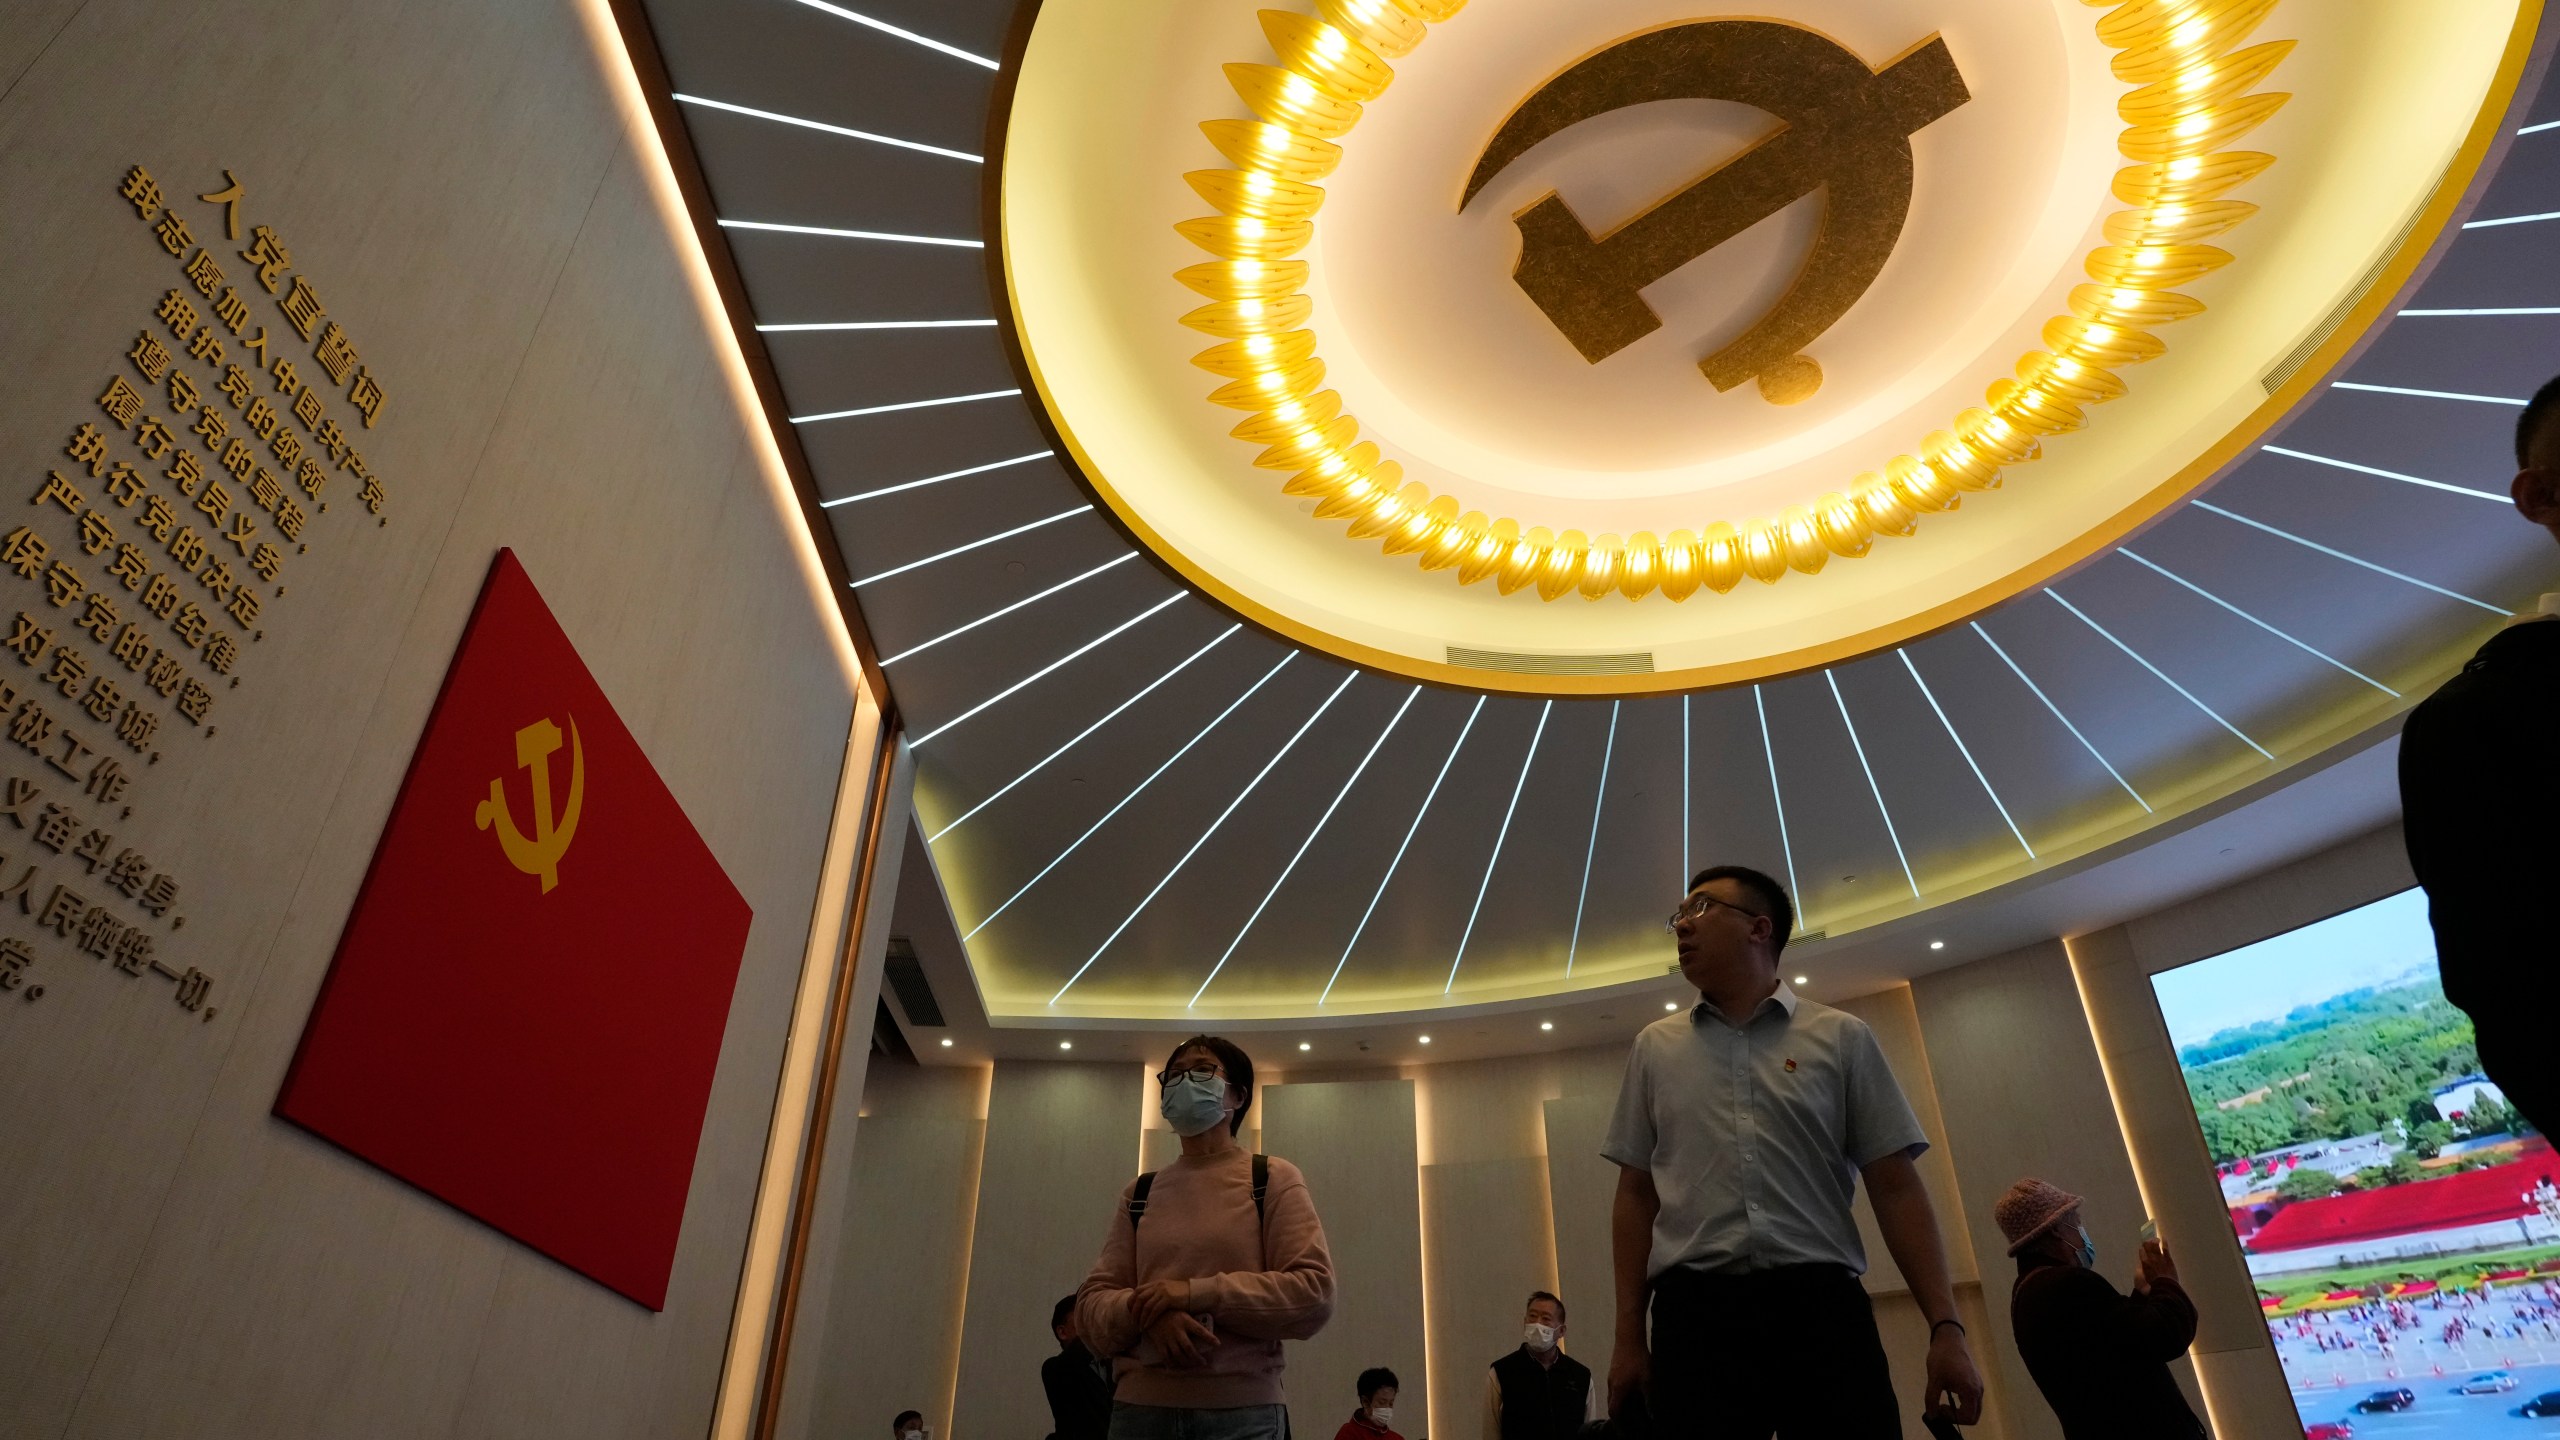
(1492, 1405)
(1631, 1217)
(1910, 1228)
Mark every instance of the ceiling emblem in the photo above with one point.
(1847, 134)
(2191, 94)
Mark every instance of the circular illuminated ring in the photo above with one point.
(2192, 95)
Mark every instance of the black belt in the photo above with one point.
(1683, 1280)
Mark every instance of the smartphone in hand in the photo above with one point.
(1941, 1428)
(2150, 1231)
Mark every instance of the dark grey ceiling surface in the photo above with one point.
(1139, 845)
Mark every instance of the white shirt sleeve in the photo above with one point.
(1492, 1405)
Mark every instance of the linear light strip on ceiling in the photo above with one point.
(937, 479)
(2311, 650)
(1873, 788)
(2385, 474)
(965, 323)
(934, 403)
(1140, 789)
(2493, 310)
(2350, 559)
(1499, 836)
(2510, 220)
(911, 37)
(1409, 832)
(1249, 786)
(2162, 675)
(2535, 129)
(1037, 766)
(937, 401)
(1071, 656)
(1309, 843)
(972, 545)
(1009, 609)
(1777, 802)
(2038, 691)
(1966, 751)
(1599, 799)
(846, 131)
(832, 233)
(2423, 394)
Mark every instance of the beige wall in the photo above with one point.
(1062, 1142)
(1354, 1141)
(459, 180)
(2242, 1380)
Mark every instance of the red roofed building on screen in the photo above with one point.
(2452, 1202)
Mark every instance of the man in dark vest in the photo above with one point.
(1538, 1392)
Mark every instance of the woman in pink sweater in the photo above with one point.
(1207, 1265)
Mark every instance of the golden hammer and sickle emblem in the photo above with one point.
(1848, 132)
(541, 854)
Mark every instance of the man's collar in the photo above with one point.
(1784, 997)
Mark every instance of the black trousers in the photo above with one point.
(1790, 1352)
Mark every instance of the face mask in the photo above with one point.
(912, 1435)
(1193, 1103)
(1385, 1415)
(2088, 1251)
(1540, 1337)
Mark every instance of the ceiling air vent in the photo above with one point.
(1517, 664)
(905, 975)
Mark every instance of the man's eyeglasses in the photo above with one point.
(1697, 905)
(1168, 1076)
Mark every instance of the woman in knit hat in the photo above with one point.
(2100, 1357)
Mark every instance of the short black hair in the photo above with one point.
(1238, 1065)
(2536, 410)
(1769, 894)
(1062, 1312)
(1547, 1295)
(1375, 1379)
(904, 1416)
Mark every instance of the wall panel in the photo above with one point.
(1355, 1141)
(1062, 1142)
(462, 186)
(2019, 1085)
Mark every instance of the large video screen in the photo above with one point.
(2399, 1220)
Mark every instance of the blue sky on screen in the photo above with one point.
(2265, 981)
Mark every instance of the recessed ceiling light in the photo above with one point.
(1066, 1044)
(1670, 1004)
(1804, 980)
(1546, 1024)
(946, 1044)
(1937, 944)
(1303, 1045)
(1426, 1039)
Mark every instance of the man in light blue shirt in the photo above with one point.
(1741, 1131)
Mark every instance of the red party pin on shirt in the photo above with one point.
(1791, 1067)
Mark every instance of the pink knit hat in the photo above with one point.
(2031, 1208)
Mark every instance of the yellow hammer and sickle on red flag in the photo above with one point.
(541, 854)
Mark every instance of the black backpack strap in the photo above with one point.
(1261, 1183)
(1138, 1198)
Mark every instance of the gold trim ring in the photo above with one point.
(2191, 96)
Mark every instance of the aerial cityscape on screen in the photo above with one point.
(2400, 1221)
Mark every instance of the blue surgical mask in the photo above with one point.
(1193, 1103)
(2088, 1251)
